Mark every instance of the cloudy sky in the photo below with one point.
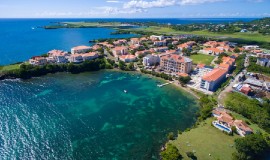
(134, 8)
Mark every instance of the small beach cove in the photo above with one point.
(89, 115)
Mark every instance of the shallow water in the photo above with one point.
(88, 116)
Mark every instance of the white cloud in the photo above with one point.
(113, 1)
(164, 3)
(151, 4)
(188, 2)
(93, 12)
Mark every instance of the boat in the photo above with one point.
(125, 91)
(33, 28)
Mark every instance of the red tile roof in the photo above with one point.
(214, 74)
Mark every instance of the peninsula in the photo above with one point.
(222, 74)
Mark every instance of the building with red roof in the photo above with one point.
(175, 63)
(212, 80)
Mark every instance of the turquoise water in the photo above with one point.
(88, 116)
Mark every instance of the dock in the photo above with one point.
(162, 85)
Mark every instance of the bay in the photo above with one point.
(89, 116)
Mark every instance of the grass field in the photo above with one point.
(255, 127)
(205, 140)
(201, 58)
(9, 67)
(245, 36)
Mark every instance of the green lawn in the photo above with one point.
(205, 140)
(9, 67)
(201, 58)
(245, 36)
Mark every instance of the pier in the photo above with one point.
(162, 85)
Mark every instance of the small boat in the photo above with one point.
(125, 91)
(33, 28)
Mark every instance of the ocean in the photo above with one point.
(19, 42)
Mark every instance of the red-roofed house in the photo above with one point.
(212, 51)
(89, 56)
(122, 50)
(242, 128)
(80, 49)
(38, 60)
(58, 56)
(212, 80)
(127, 58)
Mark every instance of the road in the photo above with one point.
(229, 87)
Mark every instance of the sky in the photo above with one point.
(134, 8)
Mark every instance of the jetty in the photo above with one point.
(162, 85)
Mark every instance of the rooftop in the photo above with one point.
(214, 74)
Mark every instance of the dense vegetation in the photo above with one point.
(251, 109)
(207, 103)
(161, 75)
(251, 147)
(253, 67)
(171, 153)
(260, 25)
(27, 71)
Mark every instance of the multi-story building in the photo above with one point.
(175, 63)
(122, 50)
(89, 56)
(38, 60)
(80, 49)
(212, 80)
(151, 60)
(58, 56)
(127, 58)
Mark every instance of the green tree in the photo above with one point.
(184, 80)
(251, 147)
(170, 136)
(171, 153)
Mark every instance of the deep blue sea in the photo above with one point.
(18, 41)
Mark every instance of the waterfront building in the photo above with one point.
(151, 60)
(80, 49)
(76, 58)
(212, 80)
(175, 63)
(89, 56)
(58, 56)
(38, 60)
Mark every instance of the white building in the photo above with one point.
(89, 56)
(58, 56)
(151, 60)
(154, 37)
(76, 58)
(120, 51)
(127, 58)
(212, 80)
